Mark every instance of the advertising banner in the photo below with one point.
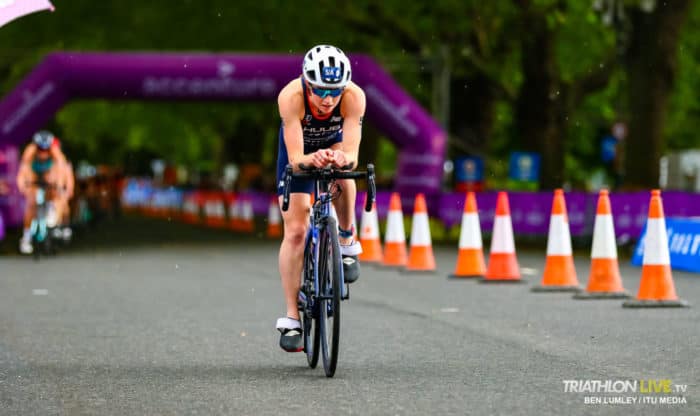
(683, 244)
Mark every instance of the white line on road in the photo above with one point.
(528, 271)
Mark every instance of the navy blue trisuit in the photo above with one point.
(319, 133)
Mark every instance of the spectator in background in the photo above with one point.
(4, 188)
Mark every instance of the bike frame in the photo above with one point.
(38, 226)
(320, 212)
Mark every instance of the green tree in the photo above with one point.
(651, 61)
(521, 75)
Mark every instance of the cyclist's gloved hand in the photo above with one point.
(321, 158)
(338, 158)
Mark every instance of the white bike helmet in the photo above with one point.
(43, 139)
(326, 66)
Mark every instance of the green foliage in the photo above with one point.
(684, 112)
(584, 43)
(482, 38)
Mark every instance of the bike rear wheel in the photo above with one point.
(330, 269)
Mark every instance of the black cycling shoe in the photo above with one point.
(290, 338)
(351, 268)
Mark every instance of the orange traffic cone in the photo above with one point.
(234, 213)
(503, 264)
(420, 254)
(274, 219)
(395, 237)
(369, 236)
(604, 281)
(559, 271)
(214, 210)
(190, 208)
(470, 258)
(656, 288)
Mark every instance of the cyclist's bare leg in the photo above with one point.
(65, 219)
(349, 247)
(53, 193)
(29, 208)
(61, 201)
(30, 202)
(345, 207)
(291, 256)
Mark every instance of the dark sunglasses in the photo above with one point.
(327, 92)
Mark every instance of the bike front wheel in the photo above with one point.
(330, 269)
(309, 313)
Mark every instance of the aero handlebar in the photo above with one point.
(329, 173)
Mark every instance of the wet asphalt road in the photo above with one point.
(149, 318)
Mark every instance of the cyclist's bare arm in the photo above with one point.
(24, 173)
(70, 180)
(353, 110)
(58, 157)
(291, 107)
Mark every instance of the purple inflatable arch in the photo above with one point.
(170, 76)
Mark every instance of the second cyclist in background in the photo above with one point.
(41, 159)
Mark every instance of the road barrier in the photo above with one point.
(527, 215)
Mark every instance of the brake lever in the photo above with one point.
(287, 185)
(371, 188)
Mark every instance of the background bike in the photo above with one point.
(40, 229)
(323, 284)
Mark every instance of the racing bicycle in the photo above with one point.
(323, 284)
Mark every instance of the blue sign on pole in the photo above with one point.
(524, 166)
(608, 148)
(683, 244)
(469, 169)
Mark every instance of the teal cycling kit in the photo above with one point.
(40, 167)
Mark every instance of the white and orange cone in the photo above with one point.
(559, 272)
(274, 219)
(247, 216)
(604, 280)
(470, 258)
(503, 264)
(214, 210)
(234, 213)
(656, 288)
(420, 254)
(395, 238)
(190, 208)
(369, 236)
